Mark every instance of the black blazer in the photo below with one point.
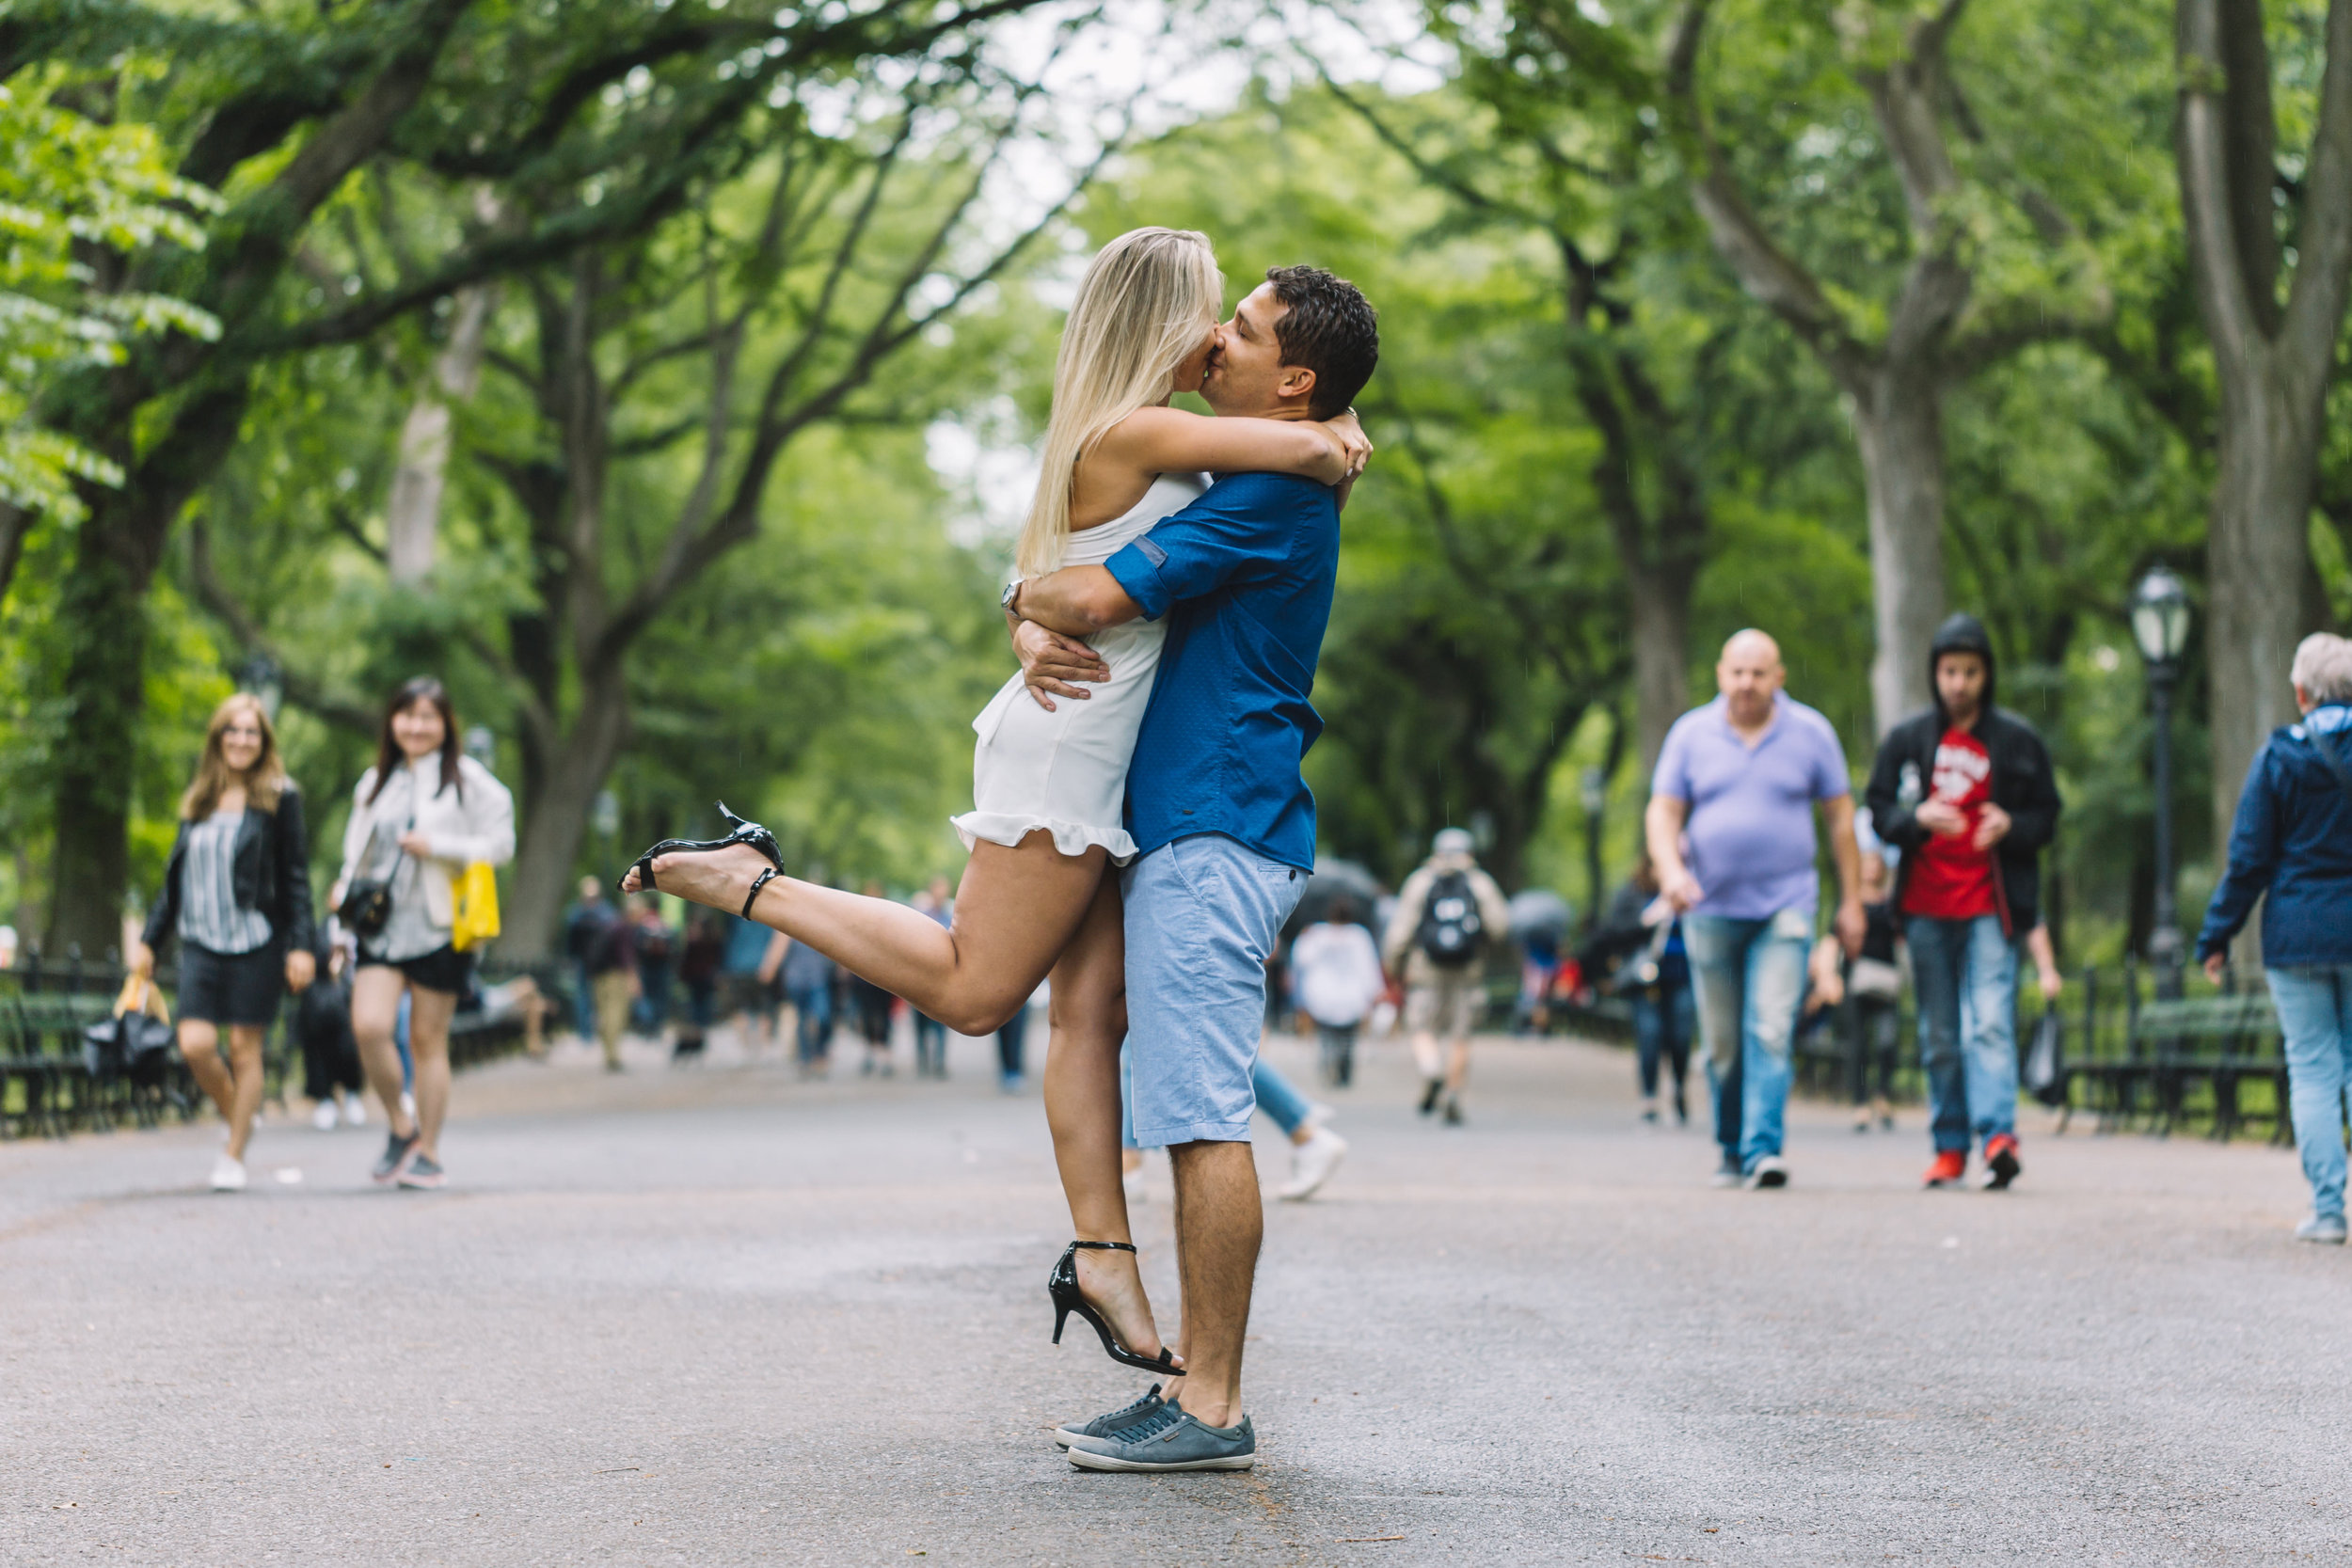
(271, 872)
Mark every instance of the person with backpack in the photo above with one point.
(2291, 845)
(1446, 913)
(1965, 792)
(603, 943)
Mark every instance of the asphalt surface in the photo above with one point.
(718, 1316)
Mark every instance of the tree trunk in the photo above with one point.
(2258, 564)
(412, 515)
(1660, 597)
(557, 820)
(103, 610)
(1899, 425)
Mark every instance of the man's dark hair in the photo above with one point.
(1330, 327)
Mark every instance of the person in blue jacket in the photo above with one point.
(2293, 840)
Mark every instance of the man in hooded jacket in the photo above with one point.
(1965, 790)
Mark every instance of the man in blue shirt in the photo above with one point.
(1224, 824)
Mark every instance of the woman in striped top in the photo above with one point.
(237, 894)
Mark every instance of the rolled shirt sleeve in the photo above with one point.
(1225, 534)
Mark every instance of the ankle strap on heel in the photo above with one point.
(1105, 1247)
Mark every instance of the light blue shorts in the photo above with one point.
(1202, 915)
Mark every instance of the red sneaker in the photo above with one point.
(1950, 1165)
(2000, 1158)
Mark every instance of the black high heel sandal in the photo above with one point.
(751, 834)
(1062, 1286)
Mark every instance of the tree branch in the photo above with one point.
(301, 688)
(2316, 302)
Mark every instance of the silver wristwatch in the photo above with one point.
(1004, 600)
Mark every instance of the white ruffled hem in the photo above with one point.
(1070, 838)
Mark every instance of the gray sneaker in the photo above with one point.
(1103, 1426)
(1168, 1439)
(1727, 1173)
(2321, 1228)
(422, 1173)
(1769, 1172)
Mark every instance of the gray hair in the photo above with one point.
(2323, 668)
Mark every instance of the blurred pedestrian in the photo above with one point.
(930, 1035)
(2291, 845)
(808, 977)
(1966, 791)
(1730, 830)
(1638, 952)
(698, 971)
(330, 1052)
(418, 817)
(1447, 913)
(236, 893)
(655, 947)
(869, 1011)
(1012, 1037)
(1335, 968)
(603, 943)
(747, 985)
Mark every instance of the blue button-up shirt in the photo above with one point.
(1249, 570)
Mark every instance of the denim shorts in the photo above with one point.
(1202, 917)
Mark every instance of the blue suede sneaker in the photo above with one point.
(1168, 1439)
(1103, 1426)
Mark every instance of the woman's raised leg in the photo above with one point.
(1016, 911)
(1088, 1018)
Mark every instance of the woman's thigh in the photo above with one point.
(245, 1045)
(199, 1038)
(1090, 977)
(1019, 912)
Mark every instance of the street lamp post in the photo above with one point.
(2160, 627)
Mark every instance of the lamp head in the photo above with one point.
(2160, 616)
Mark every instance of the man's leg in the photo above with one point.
(1219, 1224)
(2311, 1002)
(1989, 1040)
(1776, 994)
(1718, 946)
(1937, 954)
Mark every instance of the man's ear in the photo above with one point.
(1297, 383)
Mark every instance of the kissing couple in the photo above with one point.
(1139, 828)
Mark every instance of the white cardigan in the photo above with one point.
(474, 824)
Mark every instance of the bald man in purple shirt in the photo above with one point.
(1730, 829)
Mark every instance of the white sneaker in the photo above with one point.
(1312, 1162)
(355, 1111)
(323, 1118)
(227, 1174)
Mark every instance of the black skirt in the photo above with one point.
(231, 987)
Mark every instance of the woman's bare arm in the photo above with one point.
(1169, 440)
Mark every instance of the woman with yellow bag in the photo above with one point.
(422, 819)
(237, 894)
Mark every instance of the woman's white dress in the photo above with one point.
(1066, 771)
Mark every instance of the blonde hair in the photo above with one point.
(1147, 299)
(265, 782)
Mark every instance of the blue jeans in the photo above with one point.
(1664, 1021)
(2315, 1003)
(1965, 972)
(1747, 977)
(1282, 1103)
(813, 1007)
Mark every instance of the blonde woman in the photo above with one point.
(418, 818)
(1049, 780)
(237, 894)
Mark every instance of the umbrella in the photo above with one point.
(1330, 879)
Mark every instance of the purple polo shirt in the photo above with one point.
(1749, 837)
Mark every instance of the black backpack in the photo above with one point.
(1451, 931)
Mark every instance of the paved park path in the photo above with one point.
(716, 1316)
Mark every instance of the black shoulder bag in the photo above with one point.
(367, 906)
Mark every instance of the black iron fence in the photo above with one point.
(51, 1084)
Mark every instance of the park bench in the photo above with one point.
(2173, 1044)
(44, 1087)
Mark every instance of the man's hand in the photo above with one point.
(1851, 925)
(2051, 982)
(1940, 817)
(1050, 662)
(2214, 964)
(302, 967)
(1677, 887)
(1993, 825)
